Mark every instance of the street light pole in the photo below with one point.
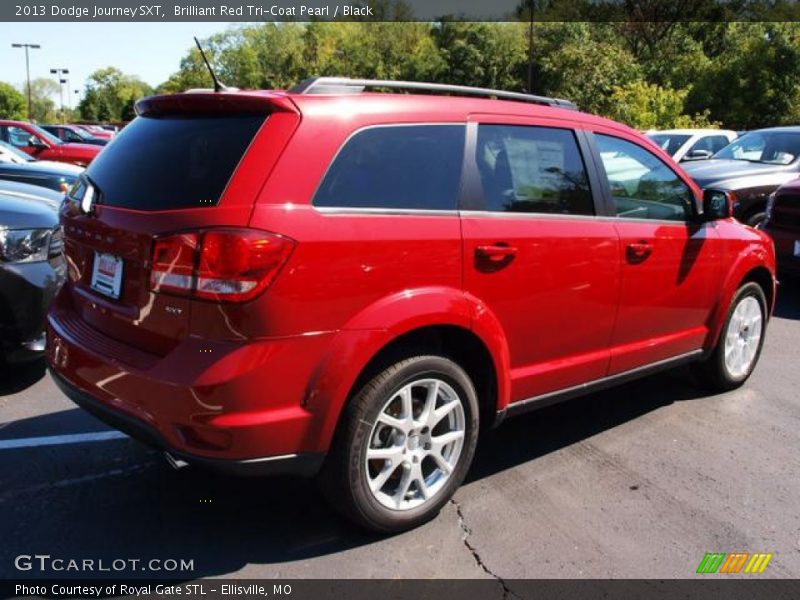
(62, 79)
(28, 73)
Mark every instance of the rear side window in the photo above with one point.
(172, 162)
(401, 166)
(532, 170)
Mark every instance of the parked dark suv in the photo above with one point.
(751, 168)
(352, 283)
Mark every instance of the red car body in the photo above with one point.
(783, 226)
(540, 306)
(50, 147)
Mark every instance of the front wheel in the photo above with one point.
(740, 342)
(405, 444)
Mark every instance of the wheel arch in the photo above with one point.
(752, 271)
(435, 321)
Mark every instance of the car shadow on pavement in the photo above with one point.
(787, 305)
(18, 378)
(540, 432)
(117, 499)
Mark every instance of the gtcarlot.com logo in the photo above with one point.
(44, 563)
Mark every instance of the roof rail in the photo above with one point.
(345, 85)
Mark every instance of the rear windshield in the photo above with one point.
(161, 163)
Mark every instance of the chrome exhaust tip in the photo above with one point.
(175, 462)
(36, 345)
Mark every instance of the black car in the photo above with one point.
(50, 176)
(71, 134)
(32, 267)
(752, 167)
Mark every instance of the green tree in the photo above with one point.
(649, 106)
(757, 82)
(482, 54)
(43, 108)
(13, 105)
(108, 94)
(581, 62)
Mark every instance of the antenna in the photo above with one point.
(218, 85)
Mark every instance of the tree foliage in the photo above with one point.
(658, 71)
(110, 95)
(13, 105)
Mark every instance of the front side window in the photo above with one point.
(18, 137)
(396, 167)
(669, 142)
(532, 170)
(642, 185)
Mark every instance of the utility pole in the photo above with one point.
(62, 79)
(28, 73)
(530, 46)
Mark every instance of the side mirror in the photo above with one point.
(698, 155)
(717, 204)
(35, 142)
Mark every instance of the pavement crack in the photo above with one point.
(466, 532)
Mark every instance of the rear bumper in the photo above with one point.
(305, 464)
(237, 406)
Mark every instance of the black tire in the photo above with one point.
(756, 218)
(344, 477)
(713, 373)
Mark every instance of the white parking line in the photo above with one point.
(56, 440)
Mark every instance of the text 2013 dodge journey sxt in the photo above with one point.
(351, 283)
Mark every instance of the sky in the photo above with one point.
(150, 50)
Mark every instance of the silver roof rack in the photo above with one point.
(345, 85)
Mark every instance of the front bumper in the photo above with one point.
(26, 291)
(306, 464)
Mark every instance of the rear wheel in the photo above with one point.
(405, 445)
(740, 342)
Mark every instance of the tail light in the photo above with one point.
(228, 265)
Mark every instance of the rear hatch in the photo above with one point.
(189, 161)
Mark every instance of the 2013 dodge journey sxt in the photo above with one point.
(353, 283)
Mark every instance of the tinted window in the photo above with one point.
(532, 169)
(166, 163)
(669, 143)
(16, 136)
(643, 187)
(710, 143)
(718, 142)
(409, 166)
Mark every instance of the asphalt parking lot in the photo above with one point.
(640, 481)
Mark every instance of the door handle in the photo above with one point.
(640, 250)
(495, 252)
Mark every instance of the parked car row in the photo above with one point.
(759, 169)
(43, 145)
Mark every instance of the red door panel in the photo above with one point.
(670, 259)
(537, 257)
(670, 277)
(555, 296)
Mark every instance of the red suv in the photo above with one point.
(43, 145)
(355, 283)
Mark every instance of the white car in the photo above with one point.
(10, 154)
(691, 144)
